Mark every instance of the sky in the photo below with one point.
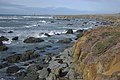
(58, 7)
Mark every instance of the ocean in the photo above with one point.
(25, 26)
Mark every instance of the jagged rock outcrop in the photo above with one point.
(96, 55)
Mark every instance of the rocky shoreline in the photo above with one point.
(57, 67)
(29, 65)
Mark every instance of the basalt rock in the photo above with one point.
(12, 69)
(3, 47)
(70, 31)
(33, 40)
(3, 38)
(66, 40)
(15, 38)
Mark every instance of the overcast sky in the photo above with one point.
(59, 6)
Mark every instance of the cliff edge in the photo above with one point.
(96, 55)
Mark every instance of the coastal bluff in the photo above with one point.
(96, 55)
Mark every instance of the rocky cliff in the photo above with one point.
(96, 55)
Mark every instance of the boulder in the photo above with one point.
(33, 40)
(15, 38)
(70, 31)
(30, 54)
(46, 34)
(12, 69)
(3, 47)
(29, 76)
(80, 31)
(3, 38)
(10, 32)
(43, 73)
(66, 40)
(14, 58)
(47, 58)
(20, 74)
(57, 71)
(33, 68)
(51, 77)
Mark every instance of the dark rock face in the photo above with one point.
(22, 57)
(34, 68)
(66, 40)
(80, 31)
(13, 58)
(10, 32)
(47, 35)
(29, 55)
(3, 38)
(15, 38)
(30, 76)
(3, 47)
(12, 69)
(33, 40)
(70, 31)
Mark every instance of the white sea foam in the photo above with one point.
(43, 21)
(43, 35)
(7, 42)
(42, 17)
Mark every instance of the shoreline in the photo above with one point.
(30, 65)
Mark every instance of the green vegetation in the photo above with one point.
(103, 45)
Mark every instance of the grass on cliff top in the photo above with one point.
(111, 39)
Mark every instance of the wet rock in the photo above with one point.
(57, 71)
(20, 74)
(15, 38)
(34, 68)
(43, 73)
(52, 21)
(30, 76)
(12, 69)
(79, 35)
(46, 34)
(3, 38)
(10, 32)
(59, 60)
(30, 54)
(51, 77)
(33, 40)
(3, 65)
(70, 31)
(66, 40)
(13, 58)
(3, 47)
(80, 31)
(47, 59)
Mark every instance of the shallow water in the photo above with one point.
(37, 26)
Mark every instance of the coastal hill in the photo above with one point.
(96, 54)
